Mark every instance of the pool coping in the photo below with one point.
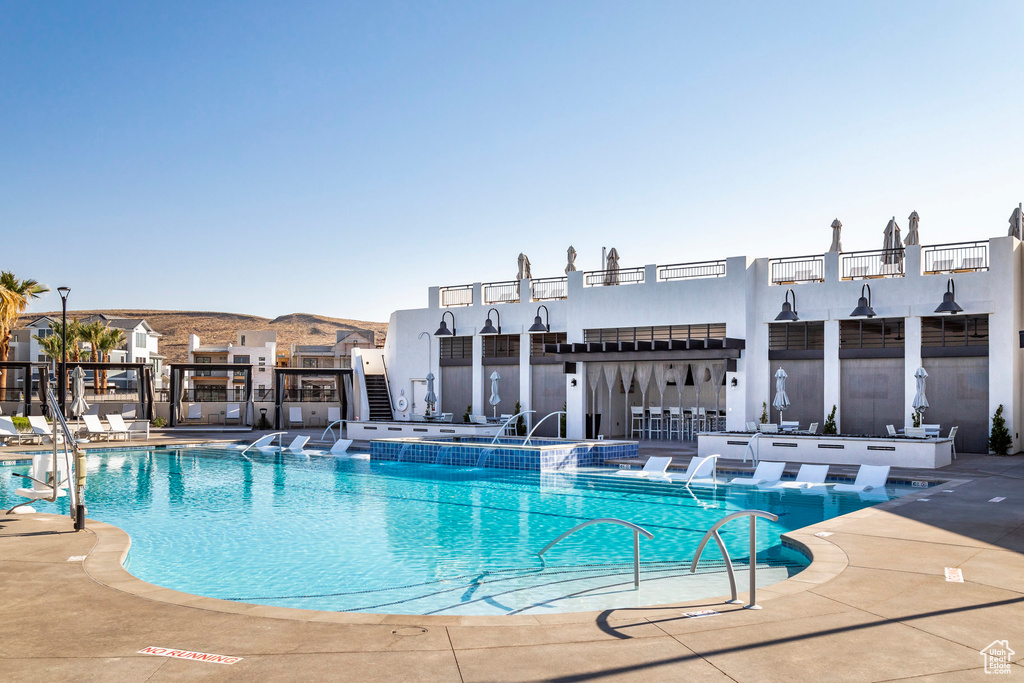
(105, 565)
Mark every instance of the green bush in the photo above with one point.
(158, 422)
(764, 412)
(917, 418)
(999, 441)
(830, 423)
(520, 421)
(465, 415)
(22, 424)
(561, 423)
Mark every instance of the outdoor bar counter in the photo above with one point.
(932, 452)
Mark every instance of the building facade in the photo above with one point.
(254, 348)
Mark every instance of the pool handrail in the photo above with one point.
(528, 436)
(501, 430)
(280, 436)
(713, 532)
(341, 425)
(637, 530)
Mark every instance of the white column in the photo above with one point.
(525, 376)
(478, 375)
(832, 372)
(912, 361)
(576, 402)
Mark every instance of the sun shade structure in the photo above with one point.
(864, 309)
(949, 305)
(788, 313)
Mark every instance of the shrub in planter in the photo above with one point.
(999, 440)
(830, 423)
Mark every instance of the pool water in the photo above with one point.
(352, 534)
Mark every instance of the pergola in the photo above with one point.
(177, 383)
(145, 374)
(280, 374)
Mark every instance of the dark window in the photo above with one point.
(244, 360)
(457, 347)
(501, 346)
(798, 336)
(656, 333)
(538, 341)
(954, 330)
(871, 333)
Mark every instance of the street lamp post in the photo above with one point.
(63, 291)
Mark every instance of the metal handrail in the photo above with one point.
(528, 436)
(713, 532)
(280, 442)
(72, 463)
(341, 425)
(750, 447)
(501, 430)
(637, 530)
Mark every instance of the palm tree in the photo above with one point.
(52, 345)
(92, 334)
(111, 339)
(15, 295)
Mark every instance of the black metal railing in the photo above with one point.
(461, 295)
(796, 269)
(546, 289)
(691, 271)
(616, 276)
(958, 257)
(501, 292)
(858, 265)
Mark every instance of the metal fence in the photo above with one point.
(501, 292)
(461, 295)
(796, 269)
(959, 257)
(690, 271)
(620, 276)
(858, 265)
(549, 288)
(259, 395)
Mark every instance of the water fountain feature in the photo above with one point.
(401, 453)
(442, 454)
(483, 457)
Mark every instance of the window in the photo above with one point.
(797, 336)
(203, 359)
(242, 360)
(501, 346)
(955, 330)
(457, 347)
(263, 359)
(140, 339)
(310, 363)
(538, 342)
(871, 333)
(242, 340)
(43, 333)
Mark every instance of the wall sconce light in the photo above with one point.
(539, 326)
(864, 309)
(573, 381)
(948, 305)
(788, 313)
(488, 327)
(735, 382)
(443, 330)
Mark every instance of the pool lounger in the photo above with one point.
(869, 477)
(698, 471)
(655, 466)
(766, 473)
(809, 476)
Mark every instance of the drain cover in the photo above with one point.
(409, 631)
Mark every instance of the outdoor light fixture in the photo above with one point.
(864, 309)
(539, 326)
(948, 305)
(488, 327)
(735, 382)
(443, 330)
(788, 314)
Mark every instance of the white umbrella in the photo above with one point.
(78, 404)
(570, 256)
(781, 401)
(837, 240)
(524, 268)
(892, 243)
(611, 276)
(495, 399)
(912, 236)
(920, 403)
(431, 398)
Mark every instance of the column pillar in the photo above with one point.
(478, 375)
(833, 373)
(525, 376)
(911, 362)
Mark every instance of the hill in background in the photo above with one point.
(220, 328)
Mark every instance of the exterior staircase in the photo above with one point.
(378, 397)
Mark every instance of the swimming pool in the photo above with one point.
(371, 536)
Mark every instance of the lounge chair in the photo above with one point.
(701, 470)
(295, 416)
(751, 426)
(769, 428)
(765, 474)
(195, 412)
(118, 427)
(952, 439)
(478, 419)
(809, 476)
(95, 429)
(40, 477)
(43, 429)
(128, 411)
(869, 477)
(813, 429)
(655, 466)
(233, 411)
(9, 432)
(297, 444)
(891, 430)
(340, 446)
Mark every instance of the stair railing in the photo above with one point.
(713, 532)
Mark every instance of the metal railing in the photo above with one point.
(620, 276)
(259, 395)
(637, 530)
(875, 263)
(691, 271)
(461, 295)
(713, 532)
(959, 257)
(549, 288)
(501, 292)
(796, 269)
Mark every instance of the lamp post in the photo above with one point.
(63, 291)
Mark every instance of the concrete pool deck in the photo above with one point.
(874, 606)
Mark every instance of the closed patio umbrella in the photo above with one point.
(920, 403)
(44, 385)
(431, 398)
(781, 401)
(892, 244)
(78, 404)
(494, 400)
(611, 276)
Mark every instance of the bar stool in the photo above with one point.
(636, 427)
(655, 419)
(675, 422)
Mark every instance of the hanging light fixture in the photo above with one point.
(788, 313)
(488, 327)
(948, 305)
(864, 309)
(538, 325)
(443, 330)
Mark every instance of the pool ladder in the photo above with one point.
(713, 532)
(609, 520)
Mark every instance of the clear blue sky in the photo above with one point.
(338, 158)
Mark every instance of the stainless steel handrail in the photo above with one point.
(501, 430)
(530, 435)
(713, 532)
(330, 428)
(637, 530)
(72, 463)
(280, 442)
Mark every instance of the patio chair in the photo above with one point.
(655, 466)
(40, 478)
(333, 414)
(952, 439)
(809, 476)
(932, 430)
(43, 429)
(869, 477)
(195, 413)
(478, 419)
(765, 474)
(510, 427)
(9, 432)
(94, 409)
(447, 417)
(813, 429)
(94, 429)
(751, 426)
(655, 422)
(698, 471)
(789, 426)
(233, 411)
(916, 432)
(118, 427)
(891, 429)
(298, 443)
(128, 411)
(295, 417)
(769, 428)
(675, 422)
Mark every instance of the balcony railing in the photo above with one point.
(860, 265)
(620, 276)
(549, 288)
(462, 295)
(796, 269)
(501, 292)
(691, 271)
(960, 257)
(259, 395)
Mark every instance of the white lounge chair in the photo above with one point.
(40, 478)
(655, 466)
(751, 426)
(195, 412)
(297, 444)
(8, 432)
(809, 476)
(43, 429)
(769, 428)
(95, 429)
(701, 470)
(118, 427)
(295, 416)
(128, 411)
(478, 419)
(340, 446)
(891, 430)
(94, 409)
(765, 474)
(813, 429)
(869, 477)
(233, 411)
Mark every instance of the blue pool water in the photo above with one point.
(360, 535)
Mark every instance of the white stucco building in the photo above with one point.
(255, 348)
